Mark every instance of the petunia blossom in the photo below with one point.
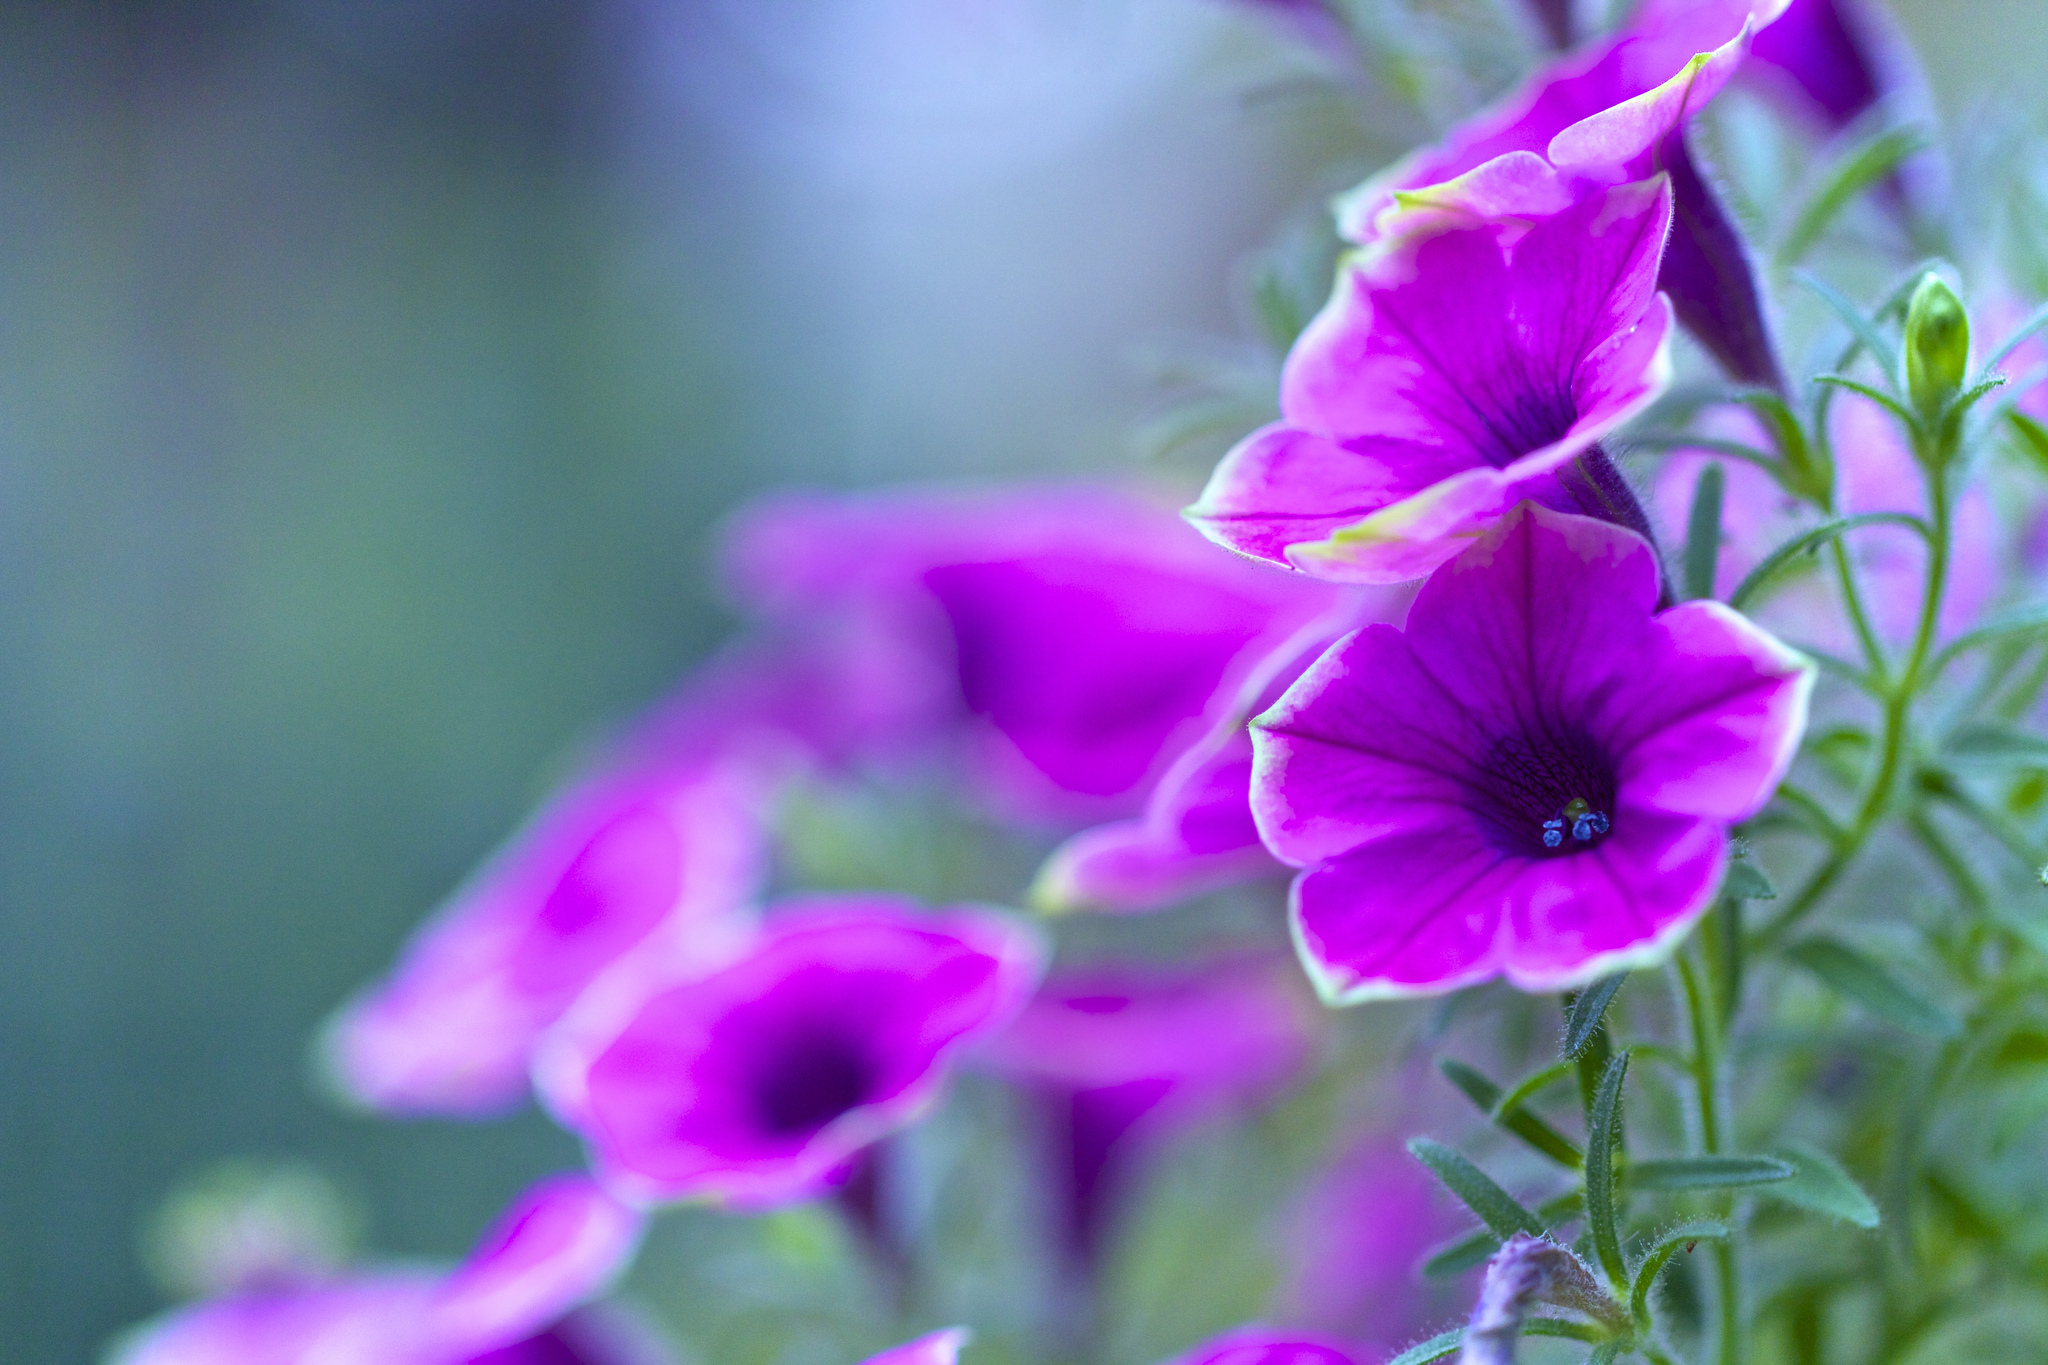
(1057, 648)
(755, 1085)
(1537, 779)
(517, 1300)
(1119, 1055)
(662, 859)
(1611, 113)
(1455, 372)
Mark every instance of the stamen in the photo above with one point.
(1585, 823)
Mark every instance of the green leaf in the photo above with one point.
(1589, 1007)
(1667, 1246)
(1511, 1116)
(2019, 621)
(1455, 1258)
(1436, 1348)
(1703, 532)
(1745, 883)
(1873, 987)
(1813, 540)
(1705, 1172)
(1858, 168)
(2033, 438)
(1996, 742)
(1605, 1353)
(1603, 1135)
(2035, 321)
(1499, 1210)
(1877, 396)
(1820, 1185)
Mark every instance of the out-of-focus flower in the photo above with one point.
(1119, 1056)
(1355, 1242)
(1613, 113)
(1196, 831)
(1874, 472)
(756, 1084)
(1065, 645)
(1536, 780)
(1265, 1346)
(934, 1348)
(514, 1301)
(662, 861)
(1456, 371)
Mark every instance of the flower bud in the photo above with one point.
(1937, 344)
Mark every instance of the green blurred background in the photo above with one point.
(372, 375)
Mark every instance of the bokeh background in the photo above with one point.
(373, 374)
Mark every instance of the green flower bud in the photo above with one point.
(1937, 344)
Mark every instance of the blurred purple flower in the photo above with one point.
(1834, 59)
(1120, 1056)
(1456, 371)
(1064, 645)
(757, 1084)
(1537, 779)
(514, 1301)
(1196, 831)
(1874, 472)
(934, 1348)
(1264, 1346)
(1355, 1241)
(660, 861)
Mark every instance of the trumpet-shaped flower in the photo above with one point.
(1265, 1346)
(659, 861)
(1537, 779)
(757, 1083)
(1457, 371)
(1119, 1056)
(933, 1348)
(515, 1301)
(1064, 646)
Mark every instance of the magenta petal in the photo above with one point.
(561, 1244)
(1629, 129)
(1265, 1346)
(366, 1320)
(934, 1348)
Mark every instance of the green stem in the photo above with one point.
(1706, 1026)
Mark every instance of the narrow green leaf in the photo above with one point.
(1991, 741)
(1873, 987)
(1498, 1209)
(1811, 540)
(1510, 1115)
(1667, 1246)
(1605, 1353)
(1877, 396)
(1436, 1348)
(1455, 1258)
(1603, 1135)
(2019, 621)
(1820, 1185)
(1746, 883)
(2033, 438)
(1589, 1008)
(1860, 327)
(1705, 1172)
(2035, 321)
(1562, 1327)
(1703, 532)
(1860, 167)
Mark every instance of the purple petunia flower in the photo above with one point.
(1536, 780)
(1612, 113)
(1060, 646)
(1119, 1056)
(1456, 371)
(756, 1084)
(661, 861)
(515, 1301)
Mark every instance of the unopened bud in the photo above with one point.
(1937, 344)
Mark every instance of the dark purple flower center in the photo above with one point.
(1545, 793)
(1529, 419)
(812, 1080)
(552, 1347)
